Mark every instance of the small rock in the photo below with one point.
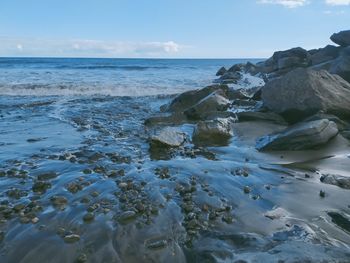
(246, 190)
(88, 217)
(71, 238)
(127, 216)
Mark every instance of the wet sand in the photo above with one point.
(79, 184)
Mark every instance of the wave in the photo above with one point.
(42, 90)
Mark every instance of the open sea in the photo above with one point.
(114, 77)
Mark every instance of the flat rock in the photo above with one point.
(302, 136)
(341, 38)
(169, 136)
(304, 92)
(338, 180)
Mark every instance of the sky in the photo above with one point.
(167, 28)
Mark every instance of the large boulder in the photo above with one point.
(302, 136)
(214, 132)
(341, 65)
(325, 54)
(230, 77)
(215, 102)
(342, 38)
(304, 92)
(169, 137)
(284, 61)
(188, 99)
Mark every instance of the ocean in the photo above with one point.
(112, 77)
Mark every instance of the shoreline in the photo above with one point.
(214, 174)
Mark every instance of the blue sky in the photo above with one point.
(167, 28)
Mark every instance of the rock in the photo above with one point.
(304, 92)
(341, 38)
(187, 99)
(288, 62)
(169, 136)
(127, 217)
(175, 118)
(285, 61)
(260, 116)
(47, 176)
(216, 131)
(342, 125)
(221, 71)
(156, 244)
(230, 77)
(88, 217)
(59, 201)
(341, 65)
(236, 68)
(215, 102)
(338, 180)
(324, 54)
(302, 136)
(71, 238)
(277, 213)
(41, 186)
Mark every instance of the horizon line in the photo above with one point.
(172, 58)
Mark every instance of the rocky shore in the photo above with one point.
(253, 168)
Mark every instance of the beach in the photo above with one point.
(82, 181)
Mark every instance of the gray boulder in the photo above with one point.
(214, 102)
(214, 132)
(338, 180)
(282, 62)
(188, 99)
(221, 71)
(169, 136)
(230, 77)
(304, 92)
(302, 136)
(341, 65)
(325, 54)
(342, 38)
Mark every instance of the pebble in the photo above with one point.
(88, 217)
(246, 190)
(127, 216)
(71, 238)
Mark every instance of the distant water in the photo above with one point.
(114, 77)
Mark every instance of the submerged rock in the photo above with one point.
(338, 180)
(302, 136)
(304, 92)
(169, 136)
(215, 102)
(216, 131)
(71, 238)
(341, 38)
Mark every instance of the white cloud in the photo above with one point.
(86, 48)
(19, 47)
(338, 2)
(286, 3)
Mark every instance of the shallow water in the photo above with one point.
(63, 157)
